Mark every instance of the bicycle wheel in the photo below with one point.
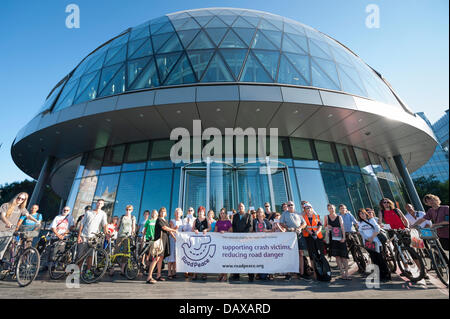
(99, 265)
(389, 256)
(57, 269)
(27, 266)
(425, 255)
(440, 262)
(408, 266)
(359, 258)
(131, 268)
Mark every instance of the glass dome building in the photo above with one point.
(104, 130)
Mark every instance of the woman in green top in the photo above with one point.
(149, 232)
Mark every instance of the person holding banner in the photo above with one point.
(162, 230)
(338, 247)
(242, 223)
(294, 222)
(201, 225)
(223, 225)
(177, 224)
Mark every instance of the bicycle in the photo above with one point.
(435, 252)
(94, 262)
(62, 258)
(408, 261)
(132, 267)
(357, 251)
(141, 254)
(19, 262)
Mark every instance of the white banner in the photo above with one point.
(235, 253)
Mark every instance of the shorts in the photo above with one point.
(82, 249)
(302, 243)
(4, 242)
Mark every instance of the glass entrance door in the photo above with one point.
(217, 185)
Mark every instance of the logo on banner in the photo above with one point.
(198, 251)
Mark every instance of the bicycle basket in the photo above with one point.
(426, 233)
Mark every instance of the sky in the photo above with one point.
(410, 48)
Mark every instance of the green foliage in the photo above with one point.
(49, 204)
(430, 185)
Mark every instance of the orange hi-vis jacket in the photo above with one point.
(312, 226)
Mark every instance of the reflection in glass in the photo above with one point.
(113, 159)
(373, 188)
(253, 187)
(135, 157)
(157, 187)
(301, 148)
(195, 188)
(94, 162)
(129, 193)
(221, 187)
(312, 189)
(280, 191)
(106, 190)
(336, 189)
(73, 194)
(347, 157)
(357, 191)
(85, 194)
(325, 155)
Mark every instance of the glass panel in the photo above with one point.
(221, 188)
(195, 188)
(129, 193)
(341, 56)
(254, 71)
(252, 20)
(330, 69)
(301, 148)
(201, 41)
(261, 42)
(159, 40)
(182, 73)
(172, 45)
(160, 154)
(82, 165)
(280, 192)
(167, 27)
(306, 163)
(96, 63)
(299, 40)
(357, 191)
(85, 195)
(135, 69)
(336, 189)
(235, 59)
(231, 40)
(320, 78)
(106, 189)
(274, 36)
(398, 198)
(385, 188)
(116, 85)
(376, 163)
(245, 34)
(253, 187)
(266, 25)
(216, 23)
(178, 23)
(116, 55)
(87, 90)
(203, 20)
(217, 71)
(189, 25)
(312, 189)
(373, 188)
(49, 101)
(363, 160)
(200, 60)
(139, 33)
(157, 187)
(216, 34)
(113, 159)
(119, 40)
(165, 64)
(291, 46)
(67, 96)
(347, 157)
(269, 59)
(147, 78)
(293, 28)
(294, 189)
(136, 157)
(73, 194)
(228, 19)
(94, 162)
(144, 50)
(187, 36)
(348, 83)
(241, 23)
(295, 69)
(319, 49)
(107, 74)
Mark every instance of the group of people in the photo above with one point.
(312, 232)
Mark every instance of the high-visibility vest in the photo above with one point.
(312, 226)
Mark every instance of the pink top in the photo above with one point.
(223, 225)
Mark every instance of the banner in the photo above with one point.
(235, 253)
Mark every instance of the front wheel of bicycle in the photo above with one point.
(388, 254)
(359, 258)
(131, 268)
(411, 264)
(440, 262)
(424, 254)
(98, 260)
(27, 266)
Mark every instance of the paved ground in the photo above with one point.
(120, 287)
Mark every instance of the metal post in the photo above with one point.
(208, 178)
(41, 182)
(398, 159)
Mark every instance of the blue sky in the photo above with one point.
(410, 49)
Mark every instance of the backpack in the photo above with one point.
(323, 270)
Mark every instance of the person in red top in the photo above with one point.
(390, 215)
(438, 214)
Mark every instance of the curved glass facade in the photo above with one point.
(218, 45)
(141, 174)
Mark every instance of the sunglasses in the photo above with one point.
(267, 206)
(385, 202)
(129, 209)
(21, 198)
(290, 205)
(67, 210)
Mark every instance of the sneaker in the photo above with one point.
(89, 274)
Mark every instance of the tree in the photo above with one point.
(431, 185)
(48, 205)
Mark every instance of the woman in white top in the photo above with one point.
(369, 229)
(176, 223)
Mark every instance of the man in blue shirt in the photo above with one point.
(348, 219)
(30, 226)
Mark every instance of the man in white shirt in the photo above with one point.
(90, 225)
(188, 221)
(414, 216)
(62, 224)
